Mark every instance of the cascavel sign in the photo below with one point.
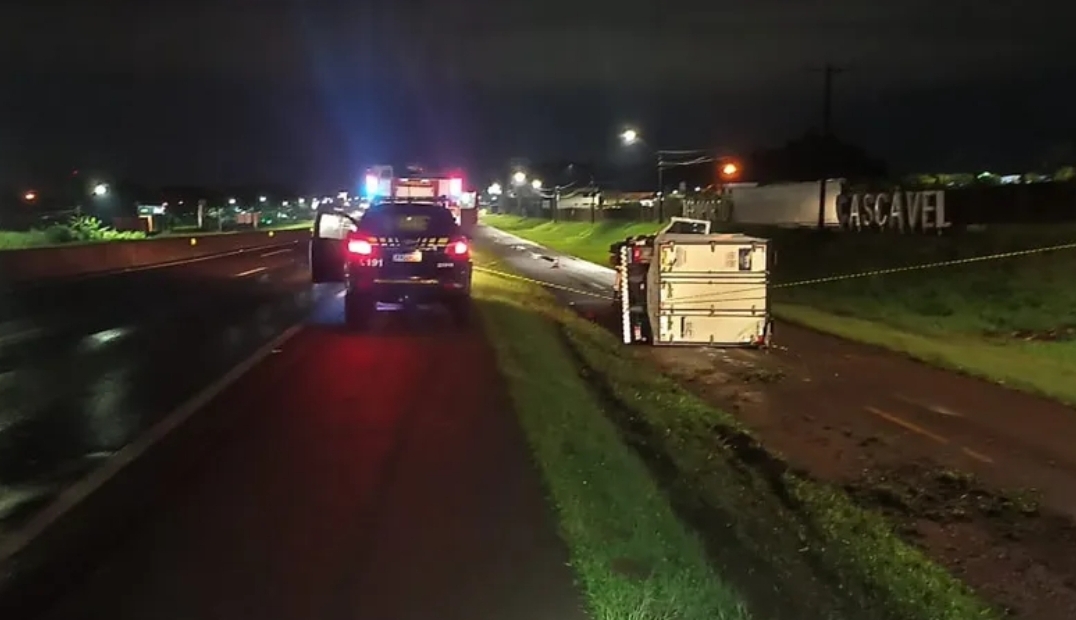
(898, 211)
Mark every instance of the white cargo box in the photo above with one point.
(709, 289)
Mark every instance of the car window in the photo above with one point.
(333, 226)
(409, 221)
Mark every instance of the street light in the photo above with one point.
(30, 196)
(261, 199)
(630, 137)
(536, 184)
(519, 178)
(100, 189)
(231, 201)
(729, 169)
(494, 189)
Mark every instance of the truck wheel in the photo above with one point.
(358, 310)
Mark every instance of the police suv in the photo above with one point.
(405, 252)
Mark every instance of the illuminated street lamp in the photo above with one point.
(519, 178)
(100, 189)
(231, 201)
(262, 198)
(729, 170)
(494, 189)
(629, 136)
(302, 201)
(30, 196)
(536, 184)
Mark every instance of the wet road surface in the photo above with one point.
(841, 403)
(87, 366)
(377, 475)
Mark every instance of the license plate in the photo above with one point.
(410, 257)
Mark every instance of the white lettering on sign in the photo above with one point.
(900, 211)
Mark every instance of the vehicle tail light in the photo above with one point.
(458, 247)
(362, 247)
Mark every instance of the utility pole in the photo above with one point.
(828, 73)
(661, 188)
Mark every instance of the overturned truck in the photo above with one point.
(686, 286)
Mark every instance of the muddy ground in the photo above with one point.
(960, 476)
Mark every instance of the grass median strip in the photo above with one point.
(634, 559)
(632, 459)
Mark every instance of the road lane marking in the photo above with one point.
(978, 456)
(105, 337)
(250, 272)
(915, 428)
(284, 251)
(70, 497)
(934, 408)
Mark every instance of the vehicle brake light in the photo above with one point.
(458, 248)
(360, 246)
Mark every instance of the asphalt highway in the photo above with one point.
(375, 475)
(87, 365)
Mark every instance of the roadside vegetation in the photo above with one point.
(1008, 319)
(88, 229)
(671, 509)
(632, 556)
(78, 229)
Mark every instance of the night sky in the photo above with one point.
(306, 93)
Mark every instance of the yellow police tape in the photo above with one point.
(891, 270)
(567, 289)
(821, 280)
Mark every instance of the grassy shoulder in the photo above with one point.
(617, 442)
(632, 556)
(67, 235)
(587, 241)
(1008, 320)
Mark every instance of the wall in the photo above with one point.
(27, 265)
(959, 208)
(784, 204)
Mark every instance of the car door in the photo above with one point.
(328, 246)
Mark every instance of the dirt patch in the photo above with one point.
(979, 533)
(739, 377)
(741, 543)
(835, 410)
(1012, 547)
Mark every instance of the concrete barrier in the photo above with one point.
(32, 264)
